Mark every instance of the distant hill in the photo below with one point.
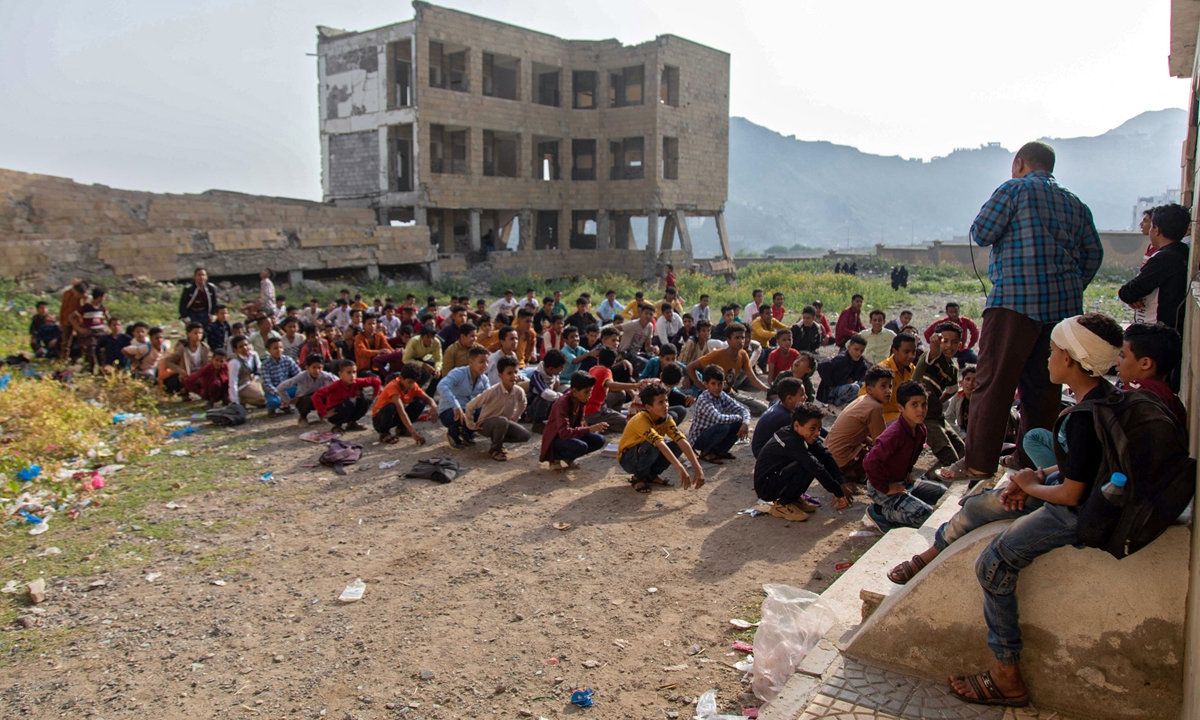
(784, 191)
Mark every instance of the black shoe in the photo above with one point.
(456, 444)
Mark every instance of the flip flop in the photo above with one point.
(642, 488)
(986, 692)
(656, 480)
(711, 458)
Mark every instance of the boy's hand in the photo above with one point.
(418, 438)
(935, 345)
(459, 415)
(689, 401)
(743, 431)
(600, 427)
(896, 489)
(685, 480)
(698, 479)
(841, 503)
(849, 488)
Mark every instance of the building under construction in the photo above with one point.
(505, 141)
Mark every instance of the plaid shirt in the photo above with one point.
(275, 372)
(1046, 247)
(711, 411)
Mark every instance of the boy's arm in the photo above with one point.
(1068, 493)
(752, 376)
(612, 385)
(820, 464)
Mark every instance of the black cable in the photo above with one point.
(971, 249)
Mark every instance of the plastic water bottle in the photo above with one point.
(1114, 489)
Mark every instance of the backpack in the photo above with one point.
(441, 470)
(228, 416)
(1141, 439)
(341, 453)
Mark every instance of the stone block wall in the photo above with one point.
(53, 229)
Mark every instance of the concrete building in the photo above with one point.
(473, 127)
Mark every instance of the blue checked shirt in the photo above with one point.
(711, 411)
(275, 372)
(1045, 247)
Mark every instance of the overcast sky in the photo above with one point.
(177, 96)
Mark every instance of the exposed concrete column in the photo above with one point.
(603, 240)
(723, 235)
(419, 216)
(295, 278)
(372, 272)
(525, 237)
(685, 237)
(385, 156)
(473, 229)
(650, 263)
(668, 235)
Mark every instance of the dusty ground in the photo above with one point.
(468, 586)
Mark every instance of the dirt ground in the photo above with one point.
(475, 606)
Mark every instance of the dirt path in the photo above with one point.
(475, 605)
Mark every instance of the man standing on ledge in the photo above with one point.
(1045, 251)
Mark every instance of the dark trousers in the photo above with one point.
(174, 385)
(538, 410)
(304, 405)
(1013, 355)
(966, 357)
(645, 461)
(387, 363)
(197, 316)
(349, 411)
(388, 417)
(785, 487)
(717, 439)
(575, 448)
(455, 429)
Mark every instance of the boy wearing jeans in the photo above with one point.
(889, 463)
(841, 374)
(650, 443)
(719, 420)
(565, 437)
(457, 388)
(495, 411)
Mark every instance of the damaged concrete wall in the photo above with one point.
(354, 163)
(53, 229)
(351, 85)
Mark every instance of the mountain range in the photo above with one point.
(785, 191)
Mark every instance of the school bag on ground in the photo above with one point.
(228, 416)
(442, 470)
(1142, 439)
(340, 453)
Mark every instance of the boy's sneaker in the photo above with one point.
(806, 506)
(788, 512)
(468, 438)
(456, 444)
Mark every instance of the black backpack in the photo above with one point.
(1143, 440)
(442, 470)
(227, 416)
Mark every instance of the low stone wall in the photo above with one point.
(1104, 638)
(53, 229)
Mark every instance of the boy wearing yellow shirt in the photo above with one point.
(900, 362)
(651, 442)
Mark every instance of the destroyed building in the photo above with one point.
(473, 127)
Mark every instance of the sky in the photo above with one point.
(169, 96)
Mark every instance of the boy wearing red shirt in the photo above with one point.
(342, 402)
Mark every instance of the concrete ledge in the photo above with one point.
(1103, 638)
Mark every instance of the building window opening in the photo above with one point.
(628, 155)
(545, 85)
(545, 158)
(626, 86)
(400, 92)
(448, 66)
(583, 157)
(670, 158)
(500, 153)
(500, 73)
(447, 150)
(668, 90)
(583, 88)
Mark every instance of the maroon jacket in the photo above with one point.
(565, 421)
(336, 393)
(894, 455)
(970, 330)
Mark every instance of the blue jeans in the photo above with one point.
(645, 461)
(844, 394)
(455, 429)
(911, 508)
(717, 439)
(1038, 445)
(575, 448)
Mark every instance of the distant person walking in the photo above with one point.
(1045, 251)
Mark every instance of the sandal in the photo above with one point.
(986, 692)
(656, 480)
(499, 455)
(641, 487)
(388, 439)
(727, 455)
(959, 471)
(906, 570)
(712, 458)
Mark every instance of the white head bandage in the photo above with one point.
(1085, 347)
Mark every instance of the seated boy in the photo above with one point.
(790, 460)
(719, 420)
(781, 358)
(791, 394)
(496, 411)
(574, 353)
(897, 499)
(305, 384)
(958, 410)
(938, 372)
(276, 368)
(210, 382)
(1149, 354)
(455, 390)
(806, 334)
(860, 423)
(187, 357)
(1045, 500)
(245, 375)
(623, 371)
(900, 362)
(110, 351)
(565, 437)
(399, 406)
(314, 346)
(598, 409)
(686, 332)
(667, 355)
(841, 374)
(506, 346)
(342, 403)
(698, 344)
(545, 388)
(455, 355)
(677, 401)
(738, 368)
(650, 443)
(802, 369)
(43, 331)
(144, 351)
(371, 343)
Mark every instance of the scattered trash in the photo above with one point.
(675, 668)
(318, 436)
(706, 708)
(4, 380)
(10, 587)
(29, 472)
(96, 481)
(388, 464)
(582, 698)
(740, 646)
(750, 712)
(219, 583)
(590, 664)
(153, 451)
(180, 453)
(658, 505)
(694, 650)
(39, 528)
(153, 576)
(183, 431)
(742, 624)
(354, 592)
(127, 417)
(179, 423)
(864, 533)
(793, 621)
(110, 469)
(619, 643)
(755, 511)
(812, 500)
(746, 666)
(561, 526)
(37, 591)
(843, 566)
(29, 518)
(651, 590)
(267, 476)
(50, 551)
(175, 506)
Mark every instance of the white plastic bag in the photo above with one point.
(706, 708)
(793, 621)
